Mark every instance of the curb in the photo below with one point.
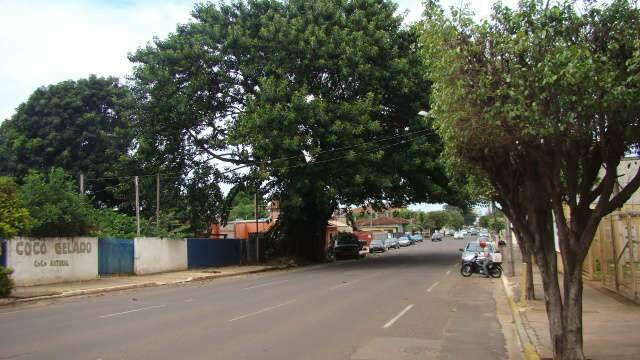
(528, 349)
(6, 302)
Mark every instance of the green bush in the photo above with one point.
(13, 218)
(6, 283)
(110, 223)
(56, 208)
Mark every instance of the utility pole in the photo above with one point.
(137, 207)
(255, 204)
(81, 183)
(157, 202)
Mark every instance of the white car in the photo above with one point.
(458, 235)
(404, 241)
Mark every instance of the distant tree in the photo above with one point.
(243, 207)
(78, 126)
(14, 218)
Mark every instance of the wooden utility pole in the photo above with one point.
(81, 183)
(157, 202)
(137, 207)
(255, 205)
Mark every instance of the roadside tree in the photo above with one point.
(544, 101)
(78, 126)
(320, 99)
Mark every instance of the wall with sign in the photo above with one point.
(154, 255)
(50, 260)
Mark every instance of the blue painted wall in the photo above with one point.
(115, 256)
(212, 252)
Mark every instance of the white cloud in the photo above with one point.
(47, 42)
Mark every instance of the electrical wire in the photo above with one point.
(421, 133)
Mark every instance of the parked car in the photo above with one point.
(346, 245)
(364, 248)
(473, 232)
(392, 243)
(458, 235)
(448, 232)
(464, 233)
(404, 241)
(416, 237)
(437, 236)
(377, 246)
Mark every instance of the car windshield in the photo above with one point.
(404, 238)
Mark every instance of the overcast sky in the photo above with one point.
(44, 42)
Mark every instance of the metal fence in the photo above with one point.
(614, 256)
(205, 252)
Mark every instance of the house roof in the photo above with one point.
(383, 220)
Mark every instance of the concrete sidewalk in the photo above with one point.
(611, 323)
(115, 283)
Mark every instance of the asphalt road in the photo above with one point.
(404, 304)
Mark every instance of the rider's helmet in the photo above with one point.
(483, 244)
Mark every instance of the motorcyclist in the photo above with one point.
(484, 257)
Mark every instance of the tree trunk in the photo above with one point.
(304, 227)
(572, 319)
(527, 258)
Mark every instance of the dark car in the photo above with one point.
(346, 246)
(377, 246)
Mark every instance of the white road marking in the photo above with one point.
(261, 311)
(132, 311)
(188, 300)
(433, 286)
(448, 272)
(392, 321)
(265, 284)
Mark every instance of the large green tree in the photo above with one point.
(319, 98)
(79, 126)
(544, 101)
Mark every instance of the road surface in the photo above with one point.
(404, 304)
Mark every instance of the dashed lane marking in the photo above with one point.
(397, 317)
(131, 311)
(261, 311)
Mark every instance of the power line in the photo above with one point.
(420, 132)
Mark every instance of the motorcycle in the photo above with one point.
(472, 265)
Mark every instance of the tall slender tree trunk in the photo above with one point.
(304, 227)
(527, 258)
(572, 316)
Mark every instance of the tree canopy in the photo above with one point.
(320, 99)
(543, 101)
(79, 126)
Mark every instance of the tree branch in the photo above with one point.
(624, 194)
